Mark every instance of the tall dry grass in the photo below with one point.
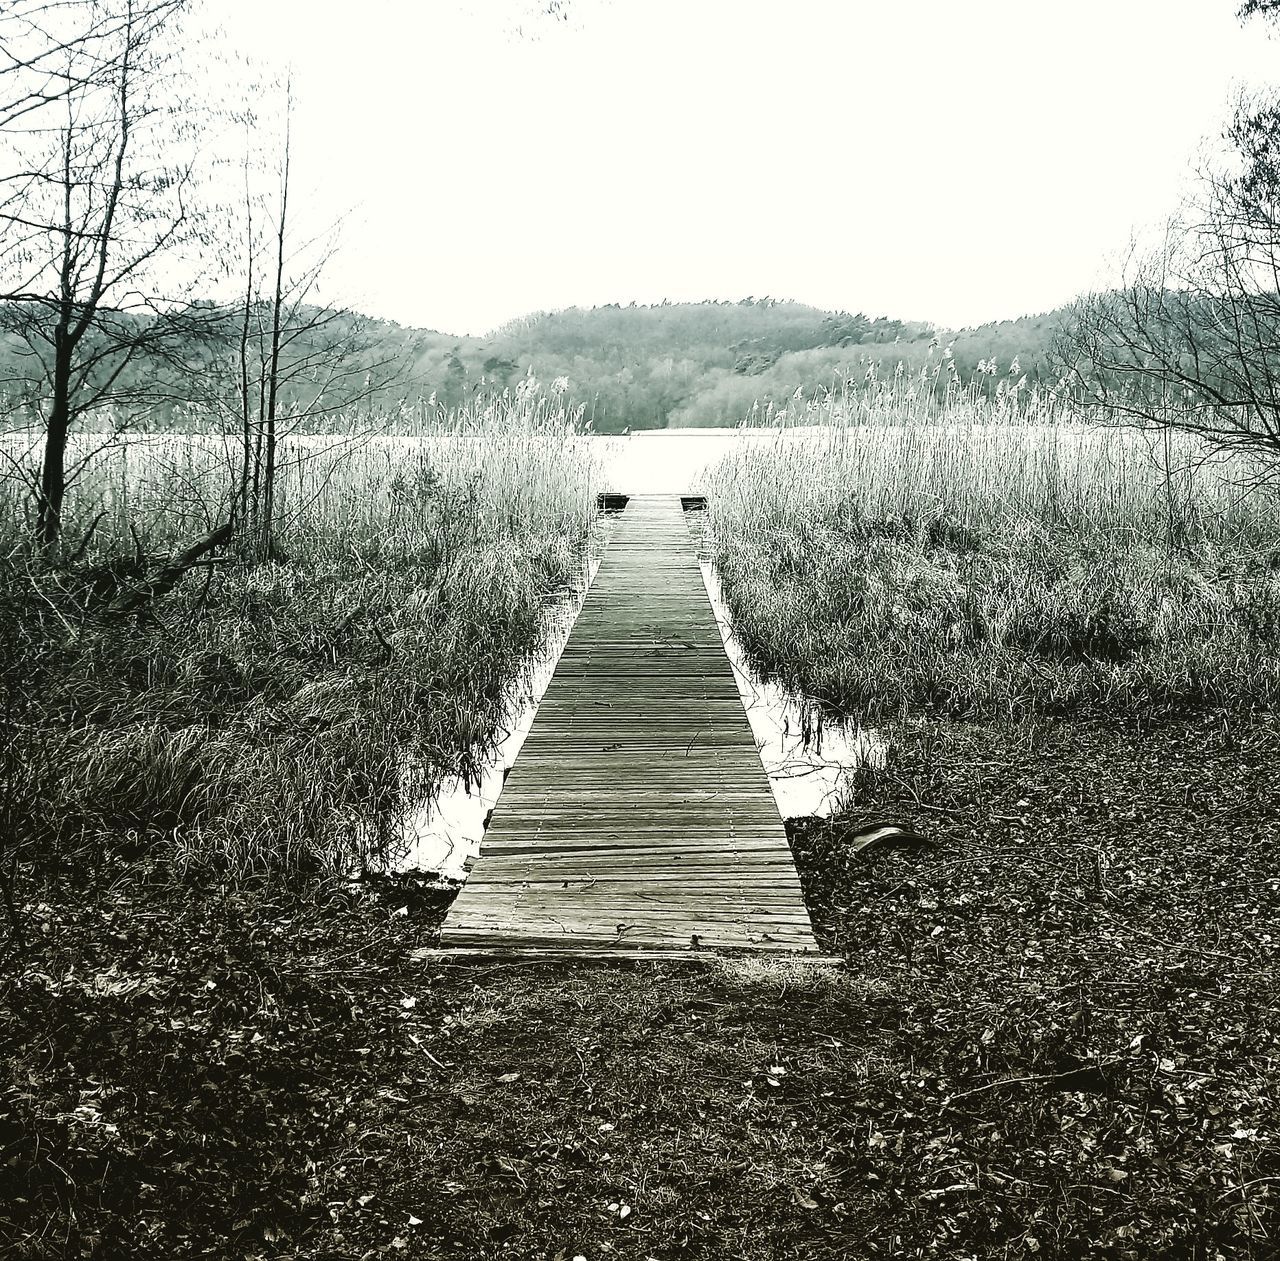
(283, 716)
(997, 561)
(170, 486)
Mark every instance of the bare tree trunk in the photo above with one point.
(273, 371)
(73, 323)
(240, 500)
(53, 467)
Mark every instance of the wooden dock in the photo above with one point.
(637, 818)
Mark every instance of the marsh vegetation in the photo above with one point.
(261, 716)
(271, 571)
(1000, 565)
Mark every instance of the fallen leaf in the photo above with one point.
(956, 1188)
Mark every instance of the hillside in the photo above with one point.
(707, 363)
(628, 367)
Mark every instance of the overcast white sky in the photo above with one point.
(956, 162)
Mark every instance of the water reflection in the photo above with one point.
(443, 837)
(808, 759)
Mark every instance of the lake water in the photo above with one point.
(444, 836)
(672, 461)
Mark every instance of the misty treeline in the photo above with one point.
(648, 366)
(709, 363)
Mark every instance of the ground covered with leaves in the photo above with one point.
(1088, 951)
(1055, 1036)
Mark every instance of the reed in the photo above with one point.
(283, 716)
(991, 561)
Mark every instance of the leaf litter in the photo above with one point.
(1081, 1064)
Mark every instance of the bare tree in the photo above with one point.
(297, 361)
(38, 43)
(97, 198)
(1191, 339)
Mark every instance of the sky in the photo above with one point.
(953, 162)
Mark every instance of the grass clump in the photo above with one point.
(1001, 579)
(284, 716)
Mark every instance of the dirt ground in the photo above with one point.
(1055, 1035)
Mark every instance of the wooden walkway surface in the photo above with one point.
(637, 817)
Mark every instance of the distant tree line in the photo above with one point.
(638, 366)
(628, 366)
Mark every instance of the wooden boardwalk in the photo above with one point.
(638, 817)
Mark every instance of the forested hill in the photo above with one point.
(751, 329)
(637, 367)
(707, 363)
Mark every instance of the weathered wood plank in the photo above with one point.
(637, 819)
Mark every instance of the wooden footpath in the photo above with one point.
(637, 818)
